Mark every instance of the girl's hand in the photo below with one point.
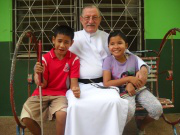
(130, 89)
(136, 82)
(76, 91)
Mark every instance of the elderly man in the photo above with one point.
(98, 111)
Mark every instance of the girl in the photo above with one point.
(119, 70)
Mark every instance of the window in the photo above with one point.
(41, 16)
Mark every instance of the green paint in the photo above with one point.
(165, 62)
(6, 20)
(160, 17)
(20, 81)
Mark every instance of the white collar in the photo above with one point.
(90, 35)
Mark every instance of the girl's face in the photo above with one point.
(61, 44)
(117, 47)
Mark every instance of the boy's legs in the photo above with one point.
(60, 122)
(58, 108)
(31, 113)
(32, 125)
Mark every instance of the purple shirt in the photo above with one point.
(119, 70)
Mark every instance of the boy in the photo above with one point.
(60, 69)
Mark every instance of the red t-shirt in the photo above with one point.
(58, 73)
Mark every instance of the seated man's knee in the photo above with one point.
(113, 100)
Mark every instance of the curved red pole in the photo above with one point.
(28, 34)
(170, 32)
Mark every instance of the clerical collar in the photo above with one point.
(90, 34)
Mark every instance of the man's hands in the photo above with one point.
(142, 74)
(76, 91)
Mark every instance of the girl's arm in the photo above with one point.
(130, 89)
(75, 87)
(107, 81)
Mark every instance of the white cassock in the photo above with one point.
(96, 112)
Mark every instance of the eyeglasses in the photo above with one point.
(87, 18)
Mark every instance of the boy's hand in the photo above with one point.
(76, 92)
(39, 68)
(130, 89)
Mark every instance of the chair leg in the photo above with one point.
(17, 130)
(174, 129)
(22, 132)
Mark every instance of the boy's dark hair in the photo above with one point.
(65, 30)
(117, 33)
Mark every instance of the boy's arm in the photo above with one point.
(36, 79)
(75, 87)
(37, 70)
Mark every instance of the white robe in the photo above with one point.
(96, 112)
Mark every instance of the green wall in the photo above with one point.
(165, 62)
(160, 16)
(5, 41)
(6, 20)
(20, 80)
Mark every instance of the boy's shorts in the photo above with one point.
(50, 105)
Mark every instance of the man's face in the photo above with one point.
(90, 20)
